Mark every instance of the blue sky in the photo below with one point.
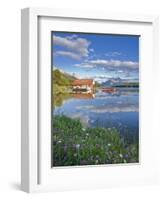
(98, 56)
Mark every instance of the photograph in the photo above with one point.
(95, 98)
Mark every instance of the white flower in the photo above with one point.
(121, 155)
(59, 141)
(109, 144)
(96, 161)
(78, 146)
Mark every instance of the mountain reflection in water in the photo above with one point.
(119, 109)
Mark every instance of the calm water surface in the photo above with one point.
(119, 109)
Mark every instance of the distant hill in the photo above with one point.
(118, 82)
(129, 84)
(107, 83)
(112, 82)
(62, 78)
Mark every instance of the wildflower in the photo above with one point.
(96, 161)
(83, 129)
(78, 146)
(75, 154)
(109, 144)
(121, 155)
(59, 141)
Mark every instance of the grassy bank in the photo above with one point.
(75, 145)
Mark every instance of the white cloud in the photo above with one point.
(115, 63)
(101, 78)
(91, 50)
(73, 44)
(72, 36)
(110, 64)
(68, 54)
(98, 62)
(111, 108)
(84, 65)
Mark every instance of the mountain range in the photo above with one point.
(119, 82)
(63, 78)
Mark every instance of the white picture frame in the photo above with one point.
(36, 174)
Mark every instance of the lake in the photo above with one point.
(118, 109)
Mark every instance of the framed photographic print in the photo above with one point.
(95, 98)
(89, 89)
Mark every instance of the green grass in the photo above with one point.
(75, 145)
